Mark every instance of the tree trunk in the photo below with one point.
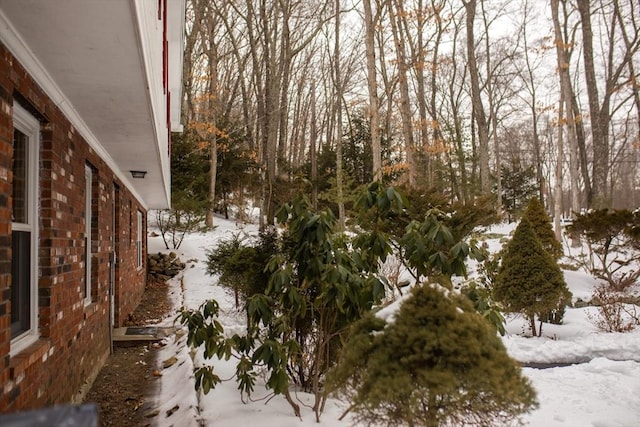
(338, 100)
(372, 86)
(454, 89)
(405, 105)
(492, 121)
(418, 57)
(478, 109)
(212, 179)
(188, 80)
(599, 118)
(436, 138)
(582, 156)
(570, 121)
(432, 411)
(532, 324)
(629, 45)
(212, 56)
(313, 151)
(563, 71)
(557, 206)
(285, 73)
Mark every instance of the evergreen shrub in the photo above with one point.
(541, 224)
(529, 280)
(436, 363)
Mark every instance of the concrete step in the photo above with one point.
(131, 335)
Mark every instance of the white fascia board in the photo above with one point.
(149, 32)
(175, 34)
(23, 53)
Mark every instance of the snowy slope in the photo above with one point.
(602, 388)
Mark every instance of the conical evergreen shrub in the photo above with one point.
(529, 280)
(436, 363)
(541, 224)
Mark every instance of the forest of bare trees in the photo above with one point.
(471, 97)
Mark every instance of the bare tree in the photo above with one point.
(338, 100)
(478, 108)
(370, 22)
(617, 56)
(290, 72)
(452, 82)
(396, 11)
(529, 65)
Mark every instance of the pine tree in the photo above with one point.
(529, 280)
(436, 363)
(542, 227)
(541, 224)
(518, 185)
(189, 168)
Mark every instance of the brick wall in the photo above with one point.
(127, 297)
(73, 336)
(6, 136)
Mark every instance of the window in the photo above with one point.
(88, 232)
(24, 308)
(139, 241)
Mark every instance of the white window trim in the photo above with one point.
(26, 123)
(139, 241)
(88, 230)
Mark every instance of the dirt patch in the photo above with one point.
(130, 375)
(154, 306)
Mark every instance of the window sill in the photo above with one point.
(89, 309)
(20, 362)
(23, 342)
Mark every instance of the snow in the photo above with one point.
(596, 382)
(577, 340)
(601, 393)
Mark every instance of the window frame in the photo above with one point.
(29, 125)
(139, 227)
(88, 232)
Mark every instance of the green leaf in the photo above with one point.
(224, 350)
(210, 309)
(278, 381)
(245, 376)
(258, 309)
(282, 214)
(391, 194)
(264, 353)
(378, 290)
(206, 379)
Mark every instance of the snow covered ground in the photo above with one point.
(601, 388)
